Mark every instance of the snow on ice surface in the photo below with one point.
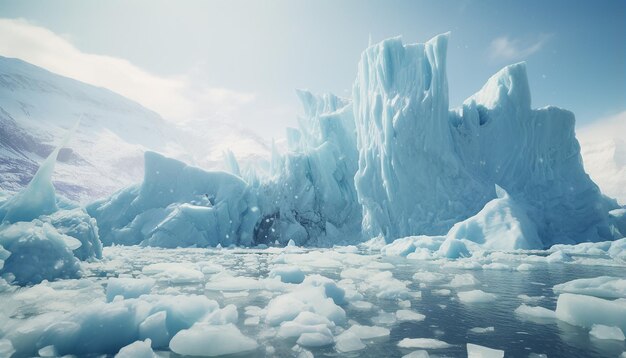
(603, 287)
(585, 311)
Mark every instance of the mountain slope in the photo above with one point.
(603, 149)
(37, 106)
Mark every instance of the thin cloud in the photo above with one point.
(176, 98)
(504, 48)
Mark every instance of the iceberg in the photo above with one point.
(43, 236)
(423, 168)
(177, 205)
(409, 180)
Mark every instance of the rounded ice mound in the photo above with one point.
(211, 340)
(38, 252)
(287, 274)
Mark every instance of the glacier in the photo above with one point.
(392, 161)
(423, 168)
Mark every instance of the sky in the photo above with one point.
(240, 61)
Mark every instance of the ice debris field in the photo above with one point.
(392, 226)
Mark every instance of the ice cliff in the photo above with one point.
(307, 197)
(392, 161)
(423, 168)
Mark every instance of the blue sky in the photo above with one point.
(241, 60)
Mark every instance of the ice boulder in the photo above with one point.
(37, 252)
(43, 233)
(138, 349)
(603, 287)
(79, 225)
(211, 340)
(476, 351)
(586, 311)
(177, 205)
(503, 224)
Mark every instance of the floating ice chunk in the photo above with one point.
(417, 354)
(535, 312)
(503, 224)
(177, 273)
(348, 342)
(211, 340)
(585, 311)
(297, 329)
(464, 280)
(481, 330)
(423, 343)
(48, 351)
(361, 305)
(154, 328)
(476, 351)
(497, 266)
(407, 315)
(368, 332)
(428, 277)
(40, 243)
(600, 331)
(603, 287)
(315, 339)
(138, 349)
(305, 298)
(385, 318)
(287, 274)
(558, 257)
(78, 224)
(128, 287)
(6, 348)
(222, 316)
(330, 287)
(525, 267)
(442, 292)
(453, 249)
(476, 296)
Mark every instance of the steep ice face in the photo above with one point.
(310, 197)
(534, 155)
(409, 179)
(422, 168)
(178, 205)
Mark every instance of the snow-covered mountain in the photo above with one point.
(603, 148)
(37, 106)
